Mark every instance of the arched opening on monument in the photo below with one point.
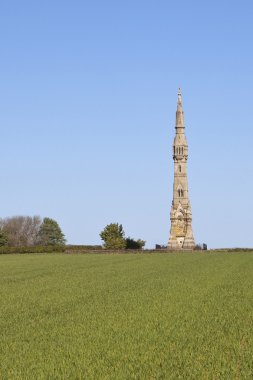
(180, 241)
(180, 191)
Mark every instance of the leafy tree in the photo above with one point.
(134, 244)
(113, 236)
(3, 239)
(50, 233)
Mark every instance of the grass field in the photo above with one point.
(152, 316)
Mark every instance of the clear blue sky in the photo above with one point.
(88, 97)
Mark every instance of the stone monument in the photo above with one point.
(181, 235)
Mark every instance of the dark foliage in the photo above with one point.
(134, 244)
(3, 239)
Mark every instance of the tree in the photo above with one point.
(50, 233)
(134, 244)
(21, 230)
(3, 239)
(113, 236)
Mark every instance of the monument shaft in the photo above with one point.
(181, 235)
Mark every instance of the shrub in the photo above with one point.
(134, 244)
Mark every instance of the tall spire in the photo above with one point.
(181, 235)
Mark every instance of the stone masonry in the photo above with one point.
(181, 235)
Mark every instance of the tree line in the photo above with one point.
(31, 231)
(28, 231)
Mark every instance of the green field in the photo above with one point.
(128, 316)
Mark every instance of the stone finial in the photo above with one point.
(179, 96)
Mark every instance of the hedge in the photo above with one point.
(71, 247)
(34, 249)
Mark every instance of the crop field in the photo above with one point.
(126, 316)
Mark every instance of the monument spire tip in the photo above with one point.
(179, 94)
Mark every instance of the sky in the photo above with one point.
(88, 93)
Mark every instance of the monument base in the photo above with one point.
(181, 244)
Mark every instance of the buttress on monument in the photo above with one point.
(181, 235)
